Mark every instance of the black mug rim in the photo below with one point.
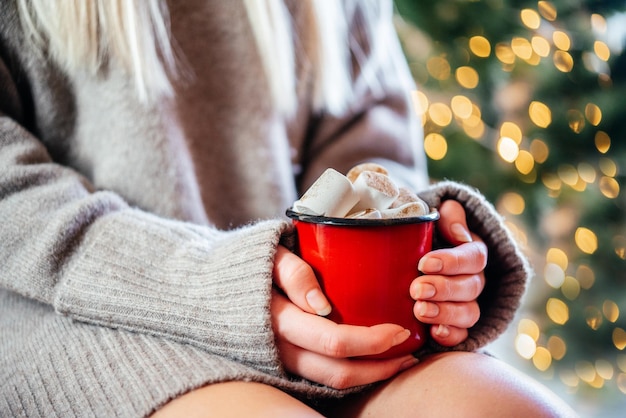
(327, 220)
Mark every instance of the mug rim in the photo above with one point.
(327, 220)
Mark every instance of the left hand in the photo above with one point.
(452, 279)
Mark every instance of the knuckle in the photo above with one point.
(301, 271)
(473, 313)
(332, 345)
(461, 315)
(475, 286)
(456, 262)
(447, 289)
(481, 254)
(297, 279)
(340, 379)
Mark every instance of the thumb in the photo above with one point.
(452, 224)
(297, 280)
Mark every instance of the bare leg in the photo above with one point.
(457, 384)
(236, 399)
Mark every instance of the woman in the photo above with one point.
(145, 171)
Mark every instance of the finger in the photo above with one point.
(456, 314)
(447, 335)
(341, 373)
(297, 279)
(463, 288)
(452, 224)
(325, 337)
(468, 258)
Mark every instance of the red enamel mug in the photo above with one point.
(365, 268)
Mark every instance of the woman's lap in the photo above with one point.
(458, 384)
(447, 384)
(236, 399)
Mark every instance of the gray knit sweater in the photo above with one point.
(137, 242)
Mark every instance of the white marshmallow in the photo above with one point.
(406, 195)
(331, 195)
(375, 191)
(407, 210)
(354, 172)
(366, 214)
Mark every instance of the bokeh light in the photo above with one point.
(619, 338)
(467, 77)
(586, 240)
(547, 10)
(461, 106)
(593, 113)
(530, 18)
(524, 162)
(557, 347)
(602, 141)
(540, 45)
(539, 150)
(561, 40)
(480, 46)
(557, 311)
(602, 50)
(507, 149)
(610, 310)
(540, 114)
(440, 114)
(542, 359)
(504, 53)
(522, 48)
(435, 146)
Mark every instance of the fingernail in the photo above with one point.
(408, 363)
(460, 232)
(318, 302)
(401, 337)
(427, 309)
(425, 291)
(430, 265)
(442, 331)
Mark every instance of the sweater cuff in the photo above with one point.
(507, 269)
(194, 285)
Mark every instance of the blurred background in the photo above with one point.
(525, 100)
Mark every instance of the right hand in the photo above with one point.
(318, 349)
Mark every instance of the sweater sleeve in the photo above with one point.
(92, 257)
(507, 269)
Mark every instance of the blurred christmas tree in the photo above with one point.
(525, 100)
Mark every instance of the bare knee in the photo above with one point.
(461, 385)
(235, 399)
(489, 387)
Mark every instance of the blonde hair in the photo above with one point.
(87, 34)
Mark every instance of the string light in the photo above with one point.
(540, 114)
(547, 10)
(561, 40)
(440, 114)
(530, 18)
(480, 46)
(593, 113)
(435, 146)
(467, 77)
(539, 150)
(602, 141)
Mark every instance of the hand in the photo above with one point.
(452, 279)
(318, 349)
